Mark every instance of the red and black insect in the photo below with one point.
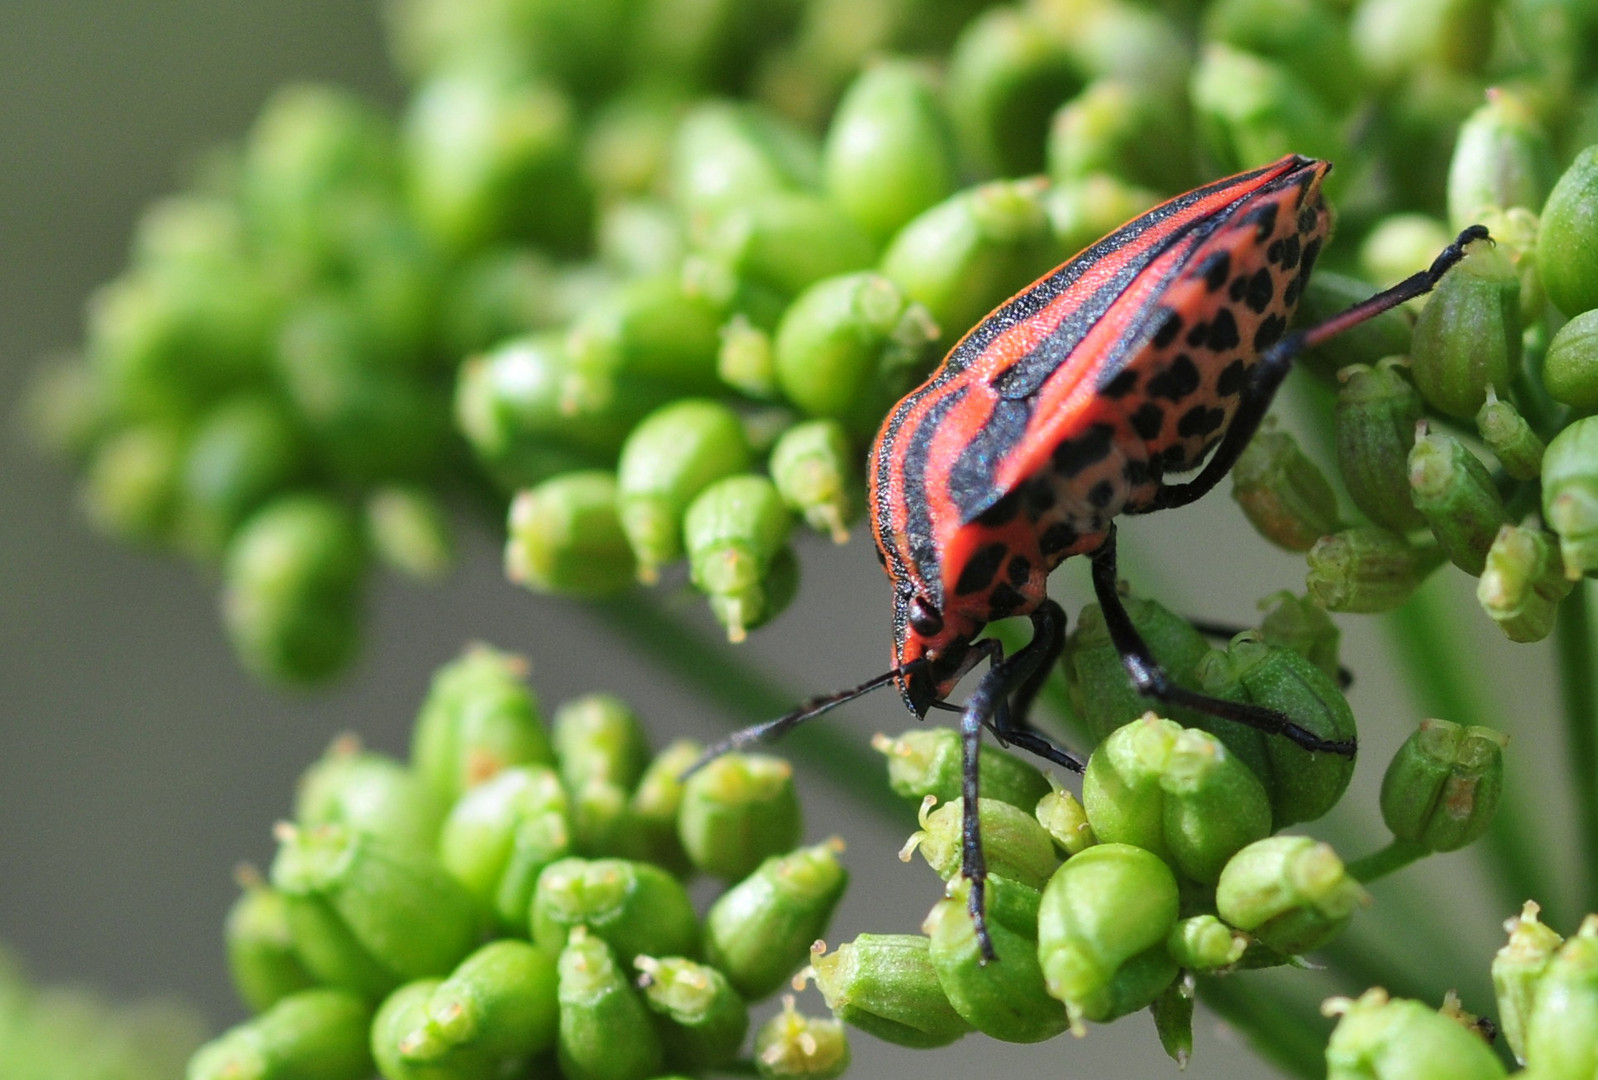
(1069, 405)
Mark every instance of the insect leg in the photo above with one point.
(1011, 718)
(1224, 632)
(1273, 366)
(1152, 681)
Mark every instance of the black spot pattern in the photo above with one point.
(1178, 380)
(1239, 287)
(1230, 381)
(1001, 512)
(1213, 269)
(1074, 455)
(1306, 219)
(1003, 600)
(1148, 420)
(1019, 570)
(1290, 294)
(1101, 494)
(979, 569)
(1121, 385)
(1168, 330)
(1269, 333)
(1223, 331)
(1057, 538)
(1290, 252)
(1135, 472)
(1259, 292)
(1197, 336)
(1312, 251)
(1039, 495)
(1263, 218)
(1199, 420)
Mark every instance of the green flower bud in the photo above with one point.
(1468, 335)
(1006, 77)
(1570, 495)
(367, 915)
(189, 232)
(495, 1011)
(1066, 822)
(1567, 257)
(1401, 244)
(1284, 495)
(1175, 792)
(1302, 786)
(566, 537)
(1101, 693)
(1204, 943)
(655, 802)
(885, 985)
(1503, 158)
(1005, 1000)
(130, 489)
(244, 451)
(746, 360)
(1297, 623)
(816, 472)
(1510, 437)
(641, 238)
(370, 792)
(63, 408)
(737, 811)
(926, 761)
(1403, 1040)
(672, 456)
(410, 532)
(1084, 209)
(635, 907)
(1518, 970)
(1110, 39)
(1523, 582)
(530, 414)
(1123, 128)
(1250, 110)
(1441, 788)
(260, 950)
(1173, 1019)
(1570, 369)
(791, 1046)
(502, 293)
(491, 160)
(1455, 493)
(1305, 37)
(650, 328)
(627, 148)
(501, 834)
(599, 737)
(1014, 844)
(788, 241)
(1289, 892)
(479, 717)
(734, 532)
(1102, 926)
(1395, 39)
(311, 1035)
(1514, 231)
(760, 931)
(606, 1032)
(708, 1017)
(889, 152)
(849, 346)
(1328, 294)
(728, 154)
(1560, 1031)
(1367, 569)
(292, 588)
(1377, 410)
(965, 255)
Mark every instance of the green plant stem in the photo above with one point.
(713, 671)
(1285, 1031)
(1378, 864)
(1578, 691)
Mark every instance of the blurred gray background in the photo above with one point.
(138, 765)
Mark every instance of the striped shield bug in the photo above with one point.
(1153, 349)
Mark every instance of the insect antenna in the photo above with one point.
(772, 730)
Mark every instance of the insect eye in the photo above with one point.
(924, 618)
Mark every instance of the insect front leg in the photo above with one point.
(1152, 681)
(1012, 716)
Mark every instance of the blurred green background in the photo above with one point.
(139, 765)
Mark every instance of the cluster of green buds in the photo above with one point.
(70, 1033)
(516, 895)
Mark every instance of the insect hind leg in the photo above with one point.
(1152, 681)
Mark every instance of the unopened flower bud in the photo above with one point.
(606, 1030)
(673, 455)
(1400, 245)
(885, 985)
(1103, 920)
(1467, 337)
(1398, 39)
(1122, 128)
(734, 532)
(635, 907)
(1005, 79)
(501, 834)
(760, 931)
(1329, 293)
(1441, 788)
(1297, 623)
(1290, 892)
(1066, 820)
(1250, 109)
(791, 1046)
(737, 811)
(1570, 495)
(1377, 409)
(705, 1019)
(479, 717)
(371, 792)
(1403, 1040)
(1570, 369)
(787, 241)
(926, 761)
(1510, 437)
(1086, 208)
(1523, 583)
(1101, 692)
(1204, 943)
(1367, 569)
(314, 1034)
(1567, 257)
(1562, 1030)
(726, 154)
(1518, 969)
(650, 329)
(566, 537)
(260, 947)
(1455, 493)
(1013, 843)
(410, 532)
(1284, 494)
(1503, 158)
(245, 450)
(656, 801)
(599, 737)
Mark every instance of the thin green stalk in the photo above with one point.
(1285, 1031)
(1578, 692)
(1378, 864)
